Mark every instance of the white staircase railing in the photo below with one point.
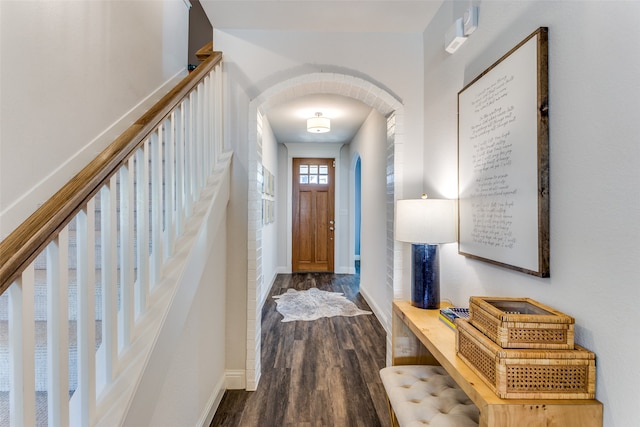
(81, 273)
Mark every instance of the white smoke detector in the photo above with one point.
(454, 38)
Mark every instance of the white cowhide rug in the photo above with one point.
(313, 304)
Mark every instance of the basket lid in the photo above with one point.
(520, 310)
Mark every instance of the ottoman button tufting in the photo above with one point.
(425, 394)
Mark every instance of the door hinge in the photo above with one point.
(334, 163)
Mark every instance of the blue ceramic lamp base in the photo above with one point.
(425, 276)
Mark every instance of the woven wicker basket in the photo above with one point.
(521, 323)
(527, 373)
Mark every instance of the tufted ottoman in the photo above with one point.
(422, 395)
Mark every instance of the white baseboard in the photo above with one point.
(252, 383)
(235, 379)
(212, 404)
(267, 289)
(342, 270)
(383, 317)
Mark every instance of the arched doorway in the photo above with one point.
(330, 83)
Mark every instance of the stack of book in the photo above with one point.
(450, 314)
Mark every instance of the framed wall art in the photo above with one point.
(503, 161)
(268, 194)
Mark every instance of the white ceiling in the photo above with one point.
(377, 16)
(288, 120)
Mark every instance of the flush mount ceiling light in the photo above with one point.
(318, 124)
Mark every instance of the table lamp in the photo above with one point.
(425, 223)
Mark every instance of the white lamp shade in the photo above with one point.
(318, 124)
(430, 221)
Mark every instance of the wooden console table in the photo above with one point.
(420, 338)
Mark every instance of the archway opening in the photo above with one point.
(388, 107)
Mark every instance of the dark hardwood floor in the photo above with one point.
(318, 373)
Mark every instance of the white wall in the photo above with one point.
(200, 30)
(70, 73)
(282, 203)
(270, 231)
(370, 143)
(594, 175)
(236, 127)
(195, 376)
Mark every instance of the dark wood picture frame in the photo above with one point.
(503, 161)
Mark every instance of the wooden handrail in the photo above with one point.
(204, 52)
(24, 244)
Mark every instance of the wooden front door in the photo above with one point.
(313, 216)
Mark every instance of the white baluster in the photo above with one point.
(199, 140)
(214, 113)
(142, 227)
(126, 318)
(22, 405)
(195, 111)
(206, 126)
(169, 182)
(180, 169)
(156, 207)
(85, 395)
(186, 123)
(212, 118)
(217, 114)
(189, 154)
(108, 356)
(202, 90)
(220, 115)
(213, 101)
(58, 329)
